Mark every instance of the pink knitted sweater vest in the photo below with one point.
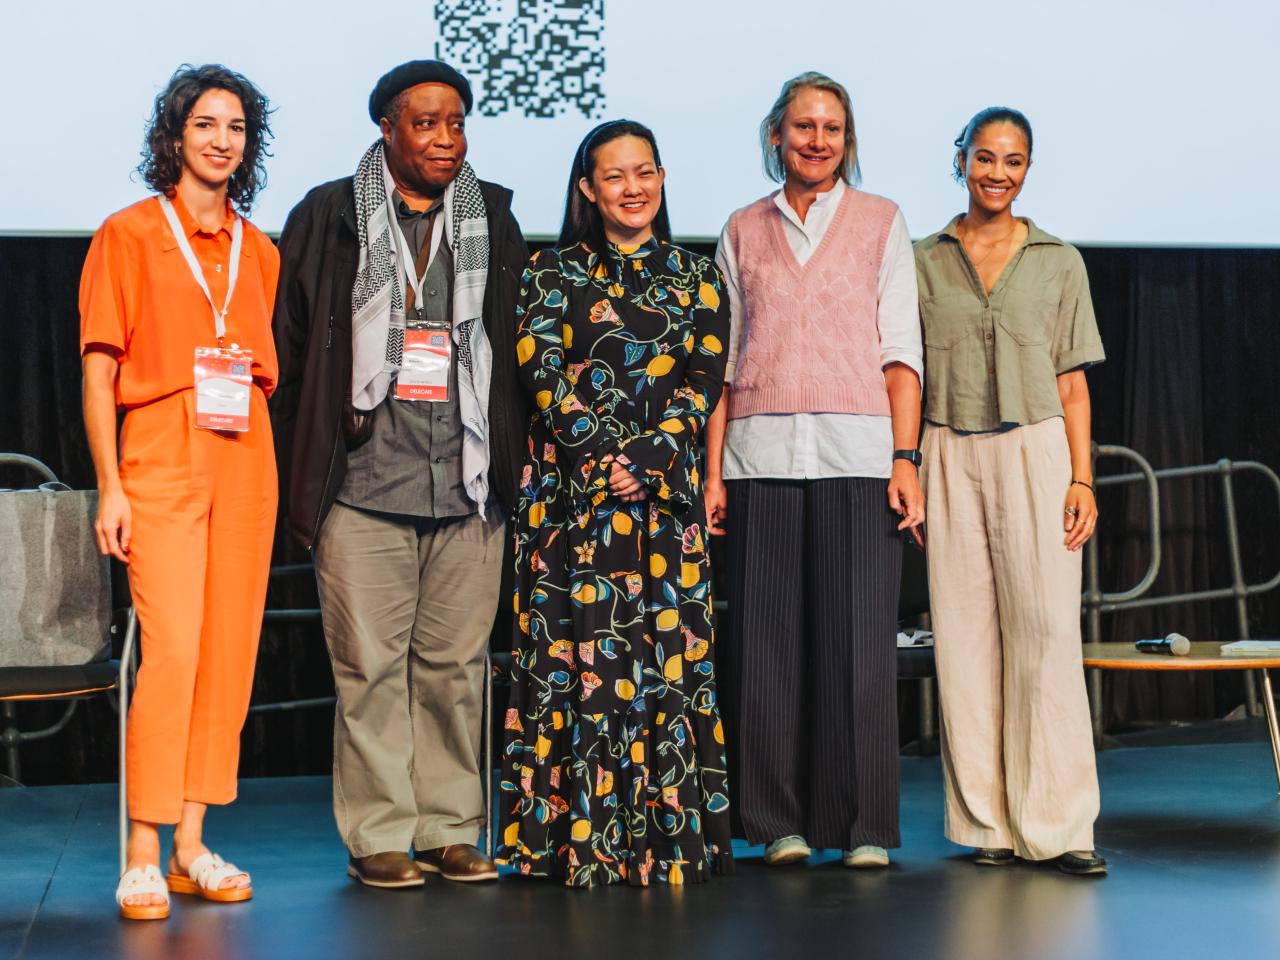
(809, 341)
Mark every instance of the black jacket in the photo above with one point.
(318, 257)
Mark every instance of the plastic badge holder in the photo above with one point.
(223, 385)
(424, 372)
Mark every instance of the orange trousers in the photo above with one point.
(204, 512)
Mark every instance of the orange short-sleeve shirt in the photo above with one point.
(139, 300)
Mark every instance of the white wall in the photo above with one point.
(1155, 122)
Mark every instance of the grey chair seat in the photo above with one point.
(50, 683)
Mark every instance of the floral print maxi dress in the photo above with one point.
(613, 763)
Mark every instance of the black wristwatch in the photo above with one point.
(913, 457)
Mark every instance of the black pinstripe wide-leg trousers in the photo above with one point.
(810, 690)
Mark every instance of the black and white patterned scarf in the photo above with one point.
(378, 298)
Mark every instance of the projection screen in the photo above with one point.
(1154, 121)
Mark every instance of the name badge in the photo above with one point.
(223, 383)
(424, 372)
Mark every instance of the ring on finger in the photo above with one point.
(1071, 511)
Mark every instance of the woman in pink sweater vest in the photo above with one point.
(811, 457)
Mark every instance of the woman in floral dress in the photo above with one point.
(614, 755)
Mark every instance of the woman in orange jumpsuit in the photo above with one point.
(191, 509)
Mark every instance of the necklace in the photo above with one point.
(992, 246)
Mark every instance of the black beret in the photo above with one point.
(410, 74)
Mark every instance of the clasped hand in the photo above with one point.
(621, 483)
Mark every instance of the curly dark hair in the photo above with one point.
(161, 166)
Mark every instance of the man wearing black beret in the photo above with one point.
(400, 429)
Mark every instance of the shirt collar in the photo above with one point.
(821, 201)
(614, 262)
(1034, 234)
(632, 251)
(191, 228)
(406, 212)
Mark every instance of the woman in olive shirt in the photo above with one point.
(1009, 330)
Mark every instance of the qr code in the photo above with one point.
(542, 57)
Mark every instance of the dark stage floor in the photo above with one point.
(1192, 834)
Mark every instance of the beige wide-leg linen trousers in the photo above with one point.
(1017, 746)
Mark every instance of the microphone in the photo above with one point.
(1175, 644)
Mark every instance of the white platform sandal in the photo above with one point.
(139, 882)
(205, 877)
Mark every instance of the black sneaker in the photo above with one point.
(993, 857)
(1088, 866)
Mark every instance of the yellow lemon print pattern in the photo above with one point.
(613, 759)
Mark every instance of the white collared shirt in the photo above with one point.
(814, 446)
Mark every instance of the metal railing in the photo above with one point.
(291, 615)
(1094, 597)
(1098, 602)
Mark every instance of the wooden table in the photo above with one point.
(1203, 656)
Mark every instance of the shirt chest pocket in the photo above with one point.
(1028, 317)
(949, 318)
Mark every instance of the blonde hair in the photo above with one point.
(771, 126)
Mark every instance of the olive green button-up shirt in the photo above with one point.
(992, 360)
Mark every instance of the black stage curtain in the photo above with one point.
(1191, 377)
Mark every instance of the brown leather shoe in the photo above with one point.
(458, 861)
(387, 870)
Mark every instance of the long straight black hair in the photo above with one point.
(582, 222)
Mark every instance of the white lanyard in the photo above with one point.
(233, 269)
(408, 257)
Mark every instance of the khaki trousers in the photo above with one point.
(1017, 746)
(407, 607)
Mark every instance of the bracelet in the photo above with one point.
(1083, 484)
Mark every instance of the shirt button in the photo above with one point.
(439, 459)
(987, 335)
(432, 292)
(217, 268)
